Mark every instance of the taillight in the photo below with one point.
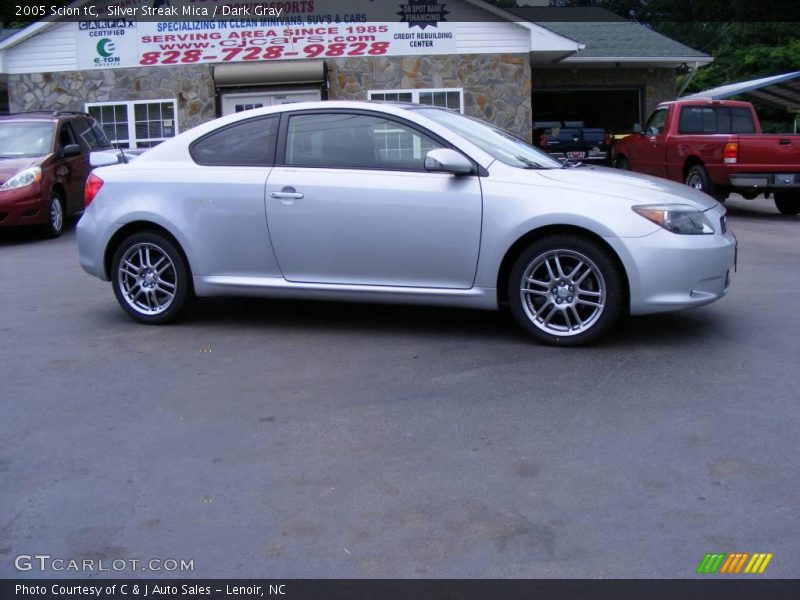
(731, 152)
(93, 185)
(542, 141)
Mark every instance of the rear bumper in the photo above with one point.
(591, 156)
(22, 206)
(765, 181)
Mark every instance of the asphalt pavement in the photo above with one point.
(264, 438)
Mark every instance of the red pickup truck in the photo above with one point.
(716, 146)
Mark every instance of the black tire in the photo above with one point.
(56, 216)
(697, 178)
(567, 294)
(155, 268)
(623, 164)
(787, 203)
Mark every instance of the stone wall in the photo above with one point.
(658, 84)
(497, 87)
(192, 85)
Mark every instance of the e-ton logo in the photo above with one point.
(105, 49)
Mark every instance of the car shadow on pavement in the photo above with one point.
(358, 318)
(17, 236)
(751, 214)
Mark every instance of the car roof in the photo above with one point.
(42, 115)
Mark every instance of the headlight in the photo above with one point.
(677, 218)
(23, 178)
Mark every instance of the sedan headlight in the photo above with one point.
(23, 178)
(677, 218)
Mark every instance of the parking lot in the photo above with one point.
(301, 439)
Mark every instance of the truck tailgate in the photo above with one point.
(770, 152)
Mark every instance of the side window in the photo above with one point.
(86, 135)
(102, 140)
(655, 125)
(65, 136)
(742, 121)
(355, 141)
(248, 143)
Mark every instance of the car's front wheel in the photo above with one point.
(54, 226)
(151, 279)
(787, 203)
(566, 290)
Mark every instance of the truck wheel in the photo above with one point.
(623, 164)
(788, 203)
(697, 178)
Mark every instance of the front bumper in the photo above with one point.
(667, 271)
(22, 206)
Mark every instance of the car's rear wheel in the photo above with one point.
(566, 290)
(788, 203)
(623, 164)
(697, 178)
(151, 279)
(54, 226)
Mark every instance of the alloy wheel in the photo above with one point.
(563, 292)
(147, 279)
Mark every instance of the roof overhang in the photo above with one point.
(782, 91)
(660, 62)
(546, 46)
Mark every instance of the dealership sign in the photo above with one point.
(310, 31)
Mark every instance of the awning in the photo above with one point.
(269, 73)
(782, 91)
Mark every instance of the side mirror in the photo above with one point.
(102, 159)
(70, 150)
(445, 160)
(637, 128)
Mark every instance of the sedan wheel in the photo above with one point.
(150, 278)
(566, 291)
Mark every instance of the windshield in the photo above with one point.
(500, 144)
(25, 139)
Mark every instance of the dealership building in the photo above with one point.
(146, 79)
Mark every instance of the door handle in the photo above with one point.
(287, 193)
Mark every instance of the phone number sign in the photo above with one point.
(128, 43)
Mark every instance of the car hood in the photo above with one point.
(11, 166)
(636, 187)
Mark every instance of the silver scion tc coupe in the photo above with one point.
(397, 203)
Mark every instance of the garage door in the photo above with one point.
(615, 110)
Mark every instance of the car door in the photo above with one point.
(650, 150)
(71, 171)
(350, 202)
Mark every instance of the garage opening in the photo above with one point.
(615, 110)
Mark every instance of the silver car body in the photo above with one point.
(389, 236)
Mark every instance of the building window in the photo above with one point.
(446, 98)
(136, 124)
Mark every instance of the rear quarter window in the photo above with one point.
(247, 143)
